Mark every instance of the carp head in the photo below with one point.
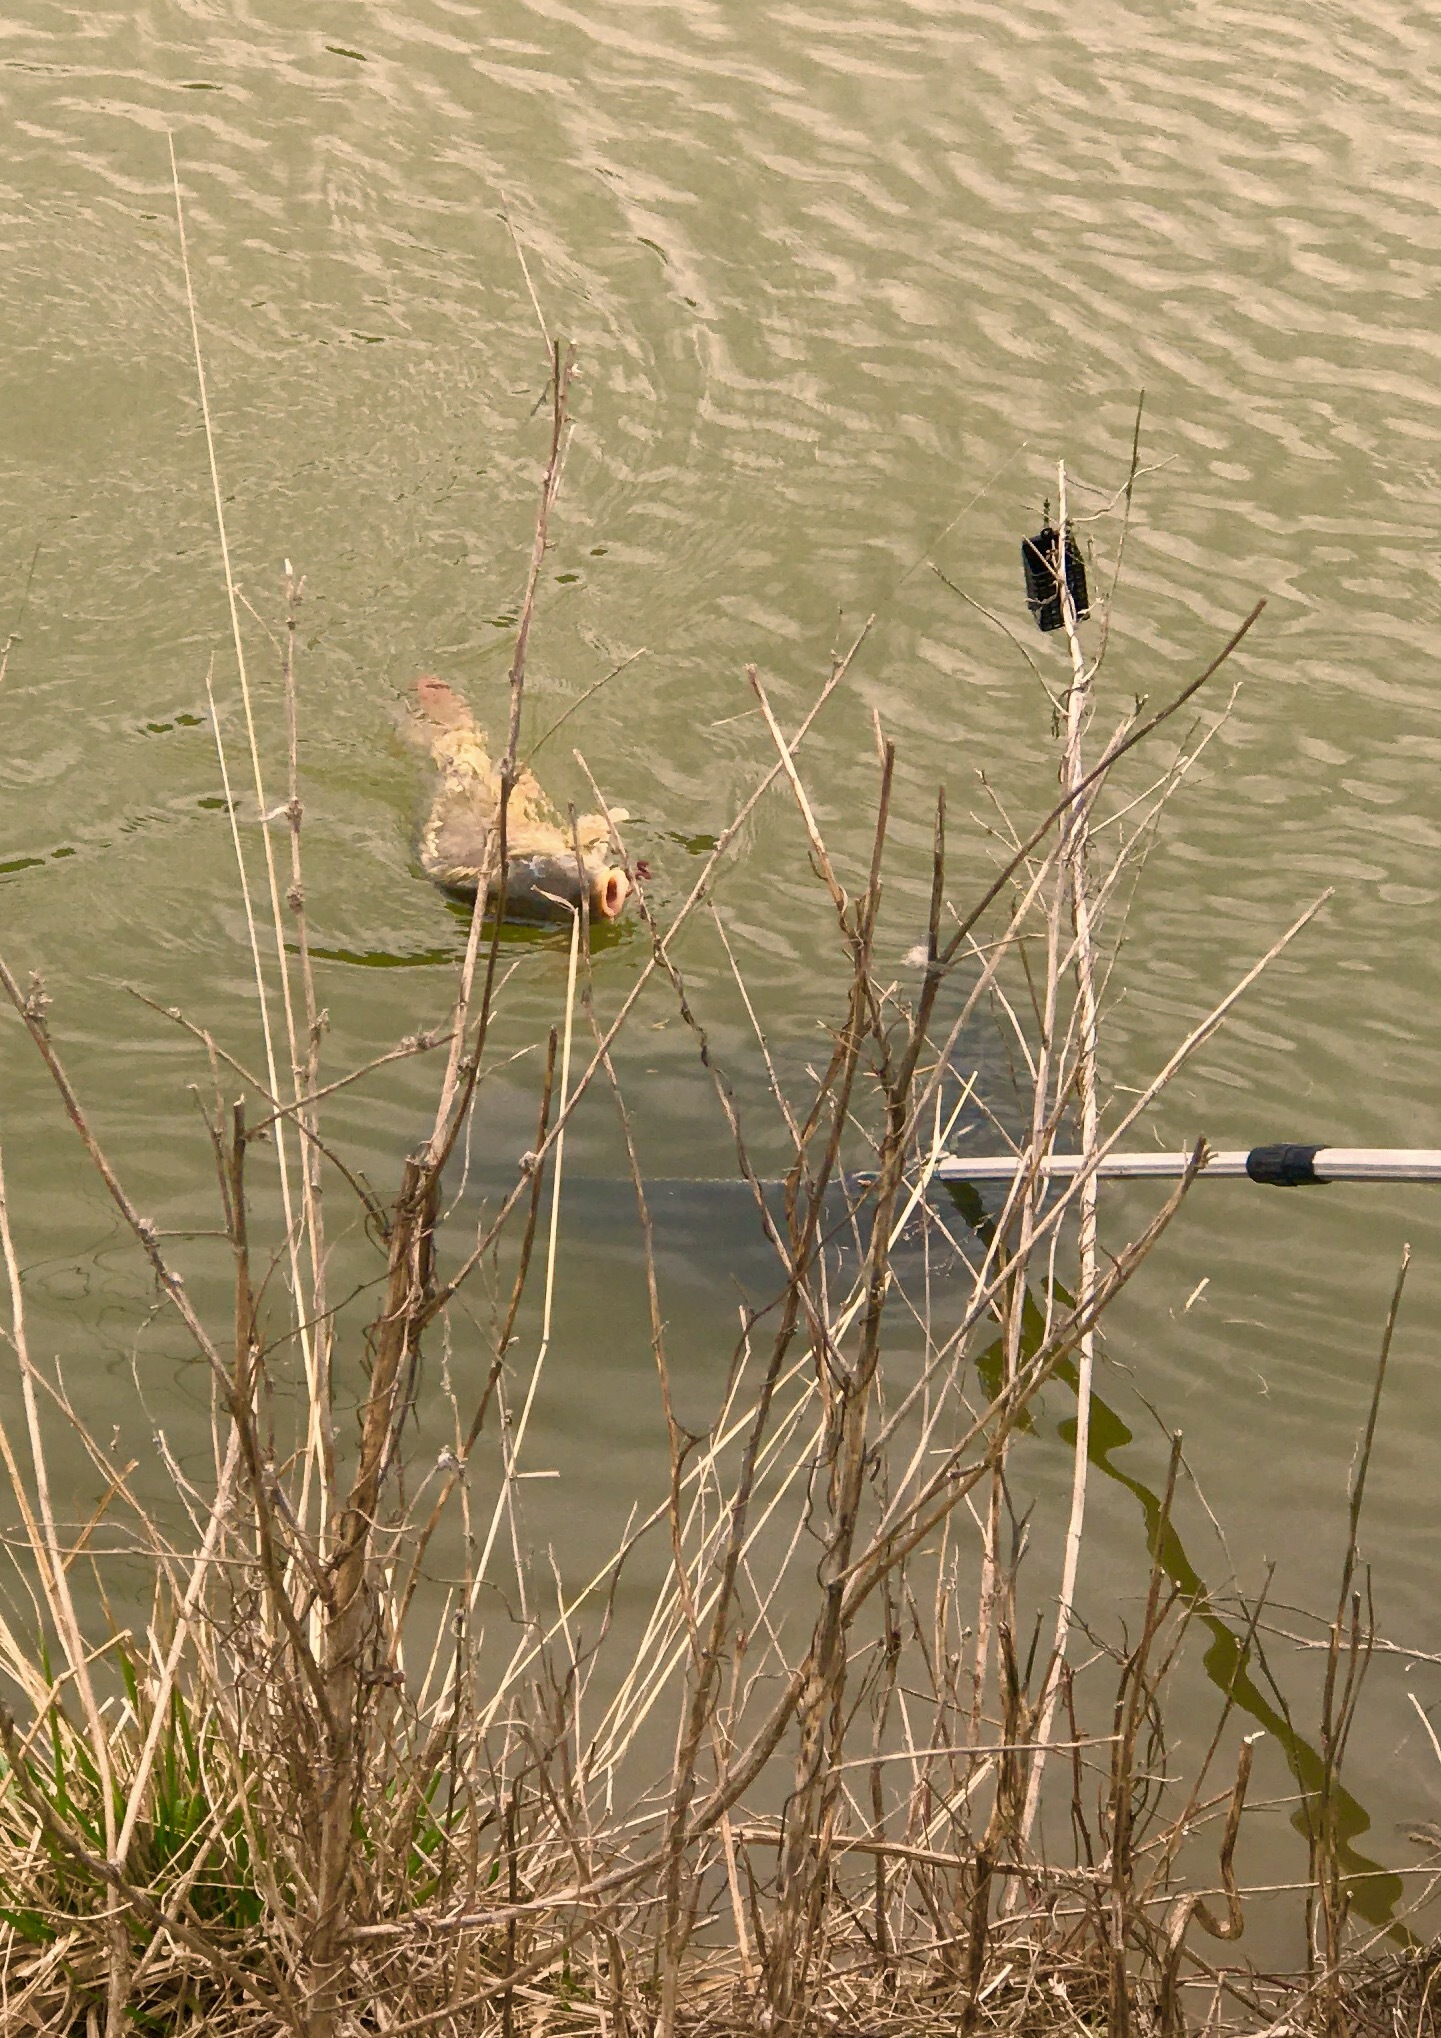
(547, 887)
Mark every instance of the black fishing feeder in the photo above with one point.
(1039, 556)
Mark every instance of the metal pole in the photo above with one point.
(1279, 1166)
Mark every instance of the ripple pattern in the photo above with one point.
(844, 281)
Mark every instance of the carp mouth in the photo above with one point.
(609, 893)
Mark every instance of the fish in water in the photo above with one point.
(545, 878)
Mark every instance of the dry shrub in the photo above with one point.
(306, 1802)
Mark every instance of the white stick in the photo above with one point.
(1328, 1164)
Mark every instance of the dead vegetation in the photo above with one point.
(304, 1795)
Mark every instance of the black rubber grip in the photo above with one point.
(1283, 1167)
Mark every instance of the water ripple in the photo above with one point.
(827, 269)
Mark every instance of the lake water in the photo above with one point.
(834, 276)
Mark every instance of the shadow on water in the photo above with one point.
(1374, 1892)
(515, 934)
(708, 1238)
(711, 1248)
(380, 958)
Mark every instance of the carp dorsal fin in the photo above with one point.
(462, 809)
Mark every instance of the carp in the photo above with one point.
(545, 879)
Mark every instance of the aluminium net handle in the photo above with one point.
(1282, 1167)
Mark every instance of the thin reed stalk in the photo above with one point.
(263, 817)
(1076, 836)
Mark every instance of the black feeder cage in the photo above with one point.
(1039, 556)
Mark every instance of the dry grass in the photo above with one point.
(295, 1799)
